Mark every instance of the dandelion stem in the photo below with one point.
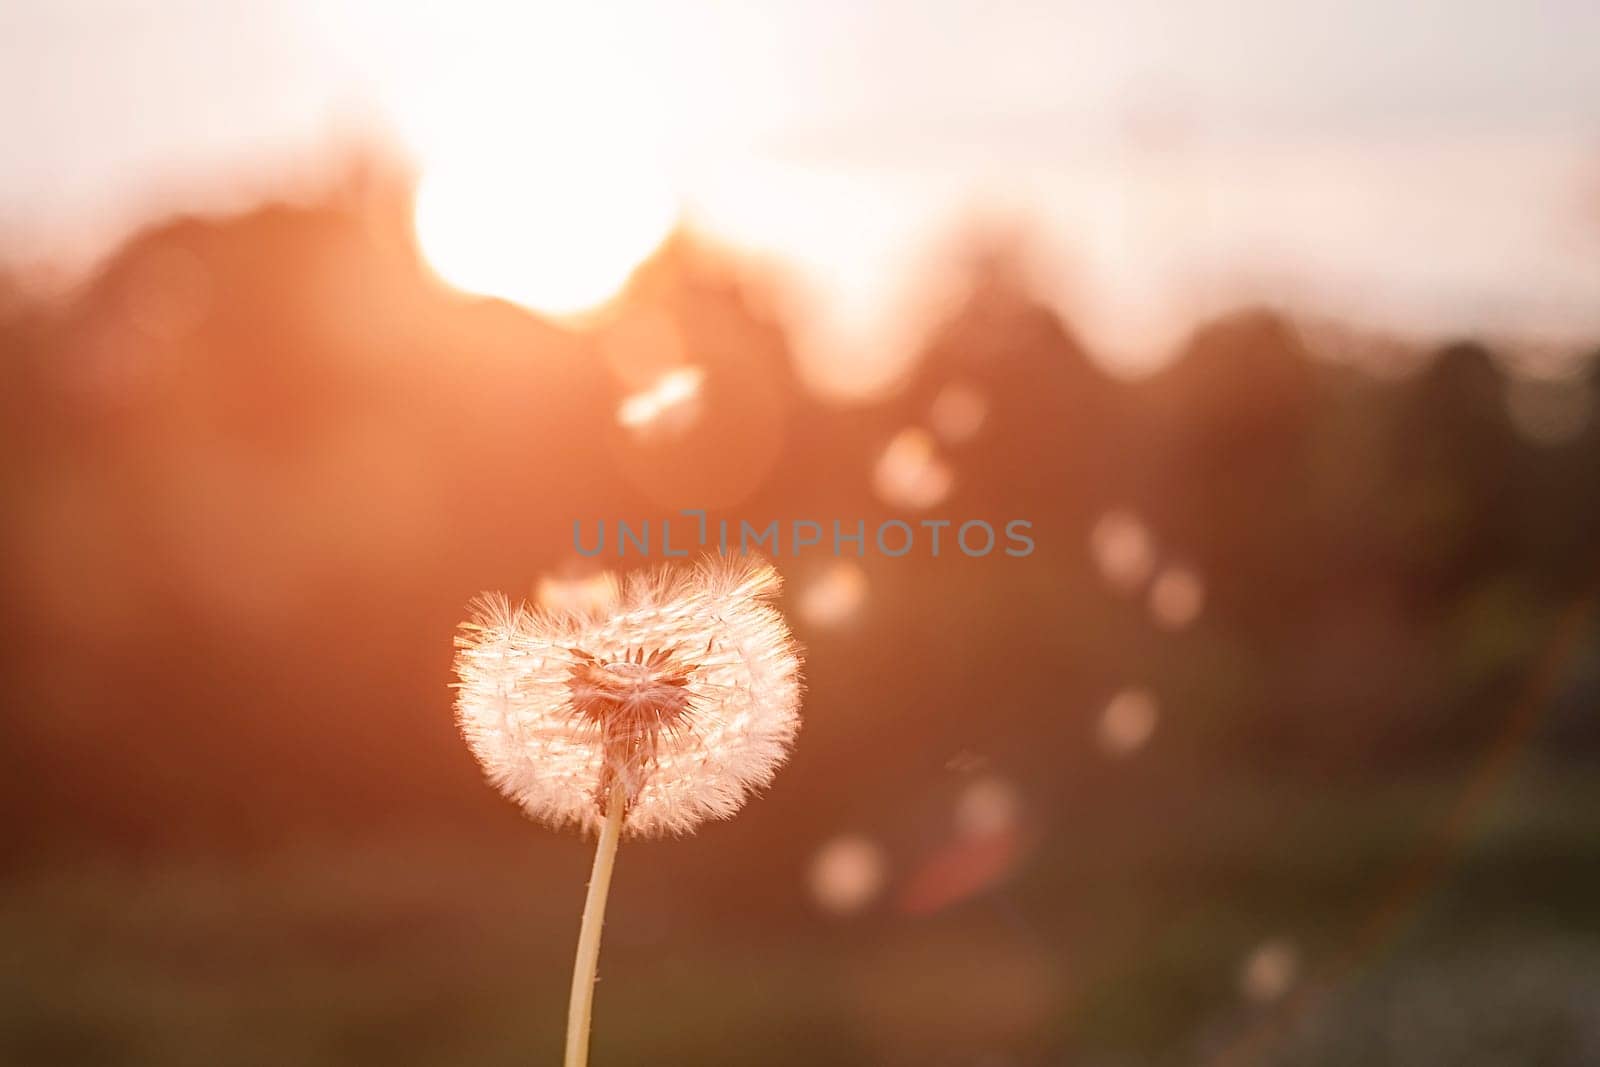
(581, 1007)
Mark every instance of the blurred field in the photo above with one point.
(434, 950)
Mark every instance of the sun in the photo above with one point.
(557, 227)
(545, 153)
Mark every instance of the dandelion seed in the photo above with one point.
(667, 706)
(966, 761)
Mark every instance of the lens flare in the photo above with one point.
(671, 404)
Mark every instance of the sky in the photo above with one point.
(1422, 168)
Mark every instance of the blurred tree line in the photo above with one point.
(255, 468)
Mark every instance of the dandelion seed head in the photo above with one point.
(685, 690)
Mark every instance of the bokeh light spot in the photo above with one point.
(578, 593)
(987, 807)
(847, 873)
(1269, 971)
(958, 413)
(1176, 598)
(834, 596)
(1122, 549)
(1128, 721)
(909, 472)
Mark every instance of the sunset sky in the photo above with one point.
(1423, 167)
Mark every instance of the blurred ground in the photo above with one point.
(433, 950)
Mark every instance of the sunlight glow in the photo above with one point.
(559, 236)
(538, 140)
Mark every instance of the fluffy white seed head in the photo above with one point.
(685, 692)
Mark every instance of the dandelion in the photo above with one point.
(647, 716)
